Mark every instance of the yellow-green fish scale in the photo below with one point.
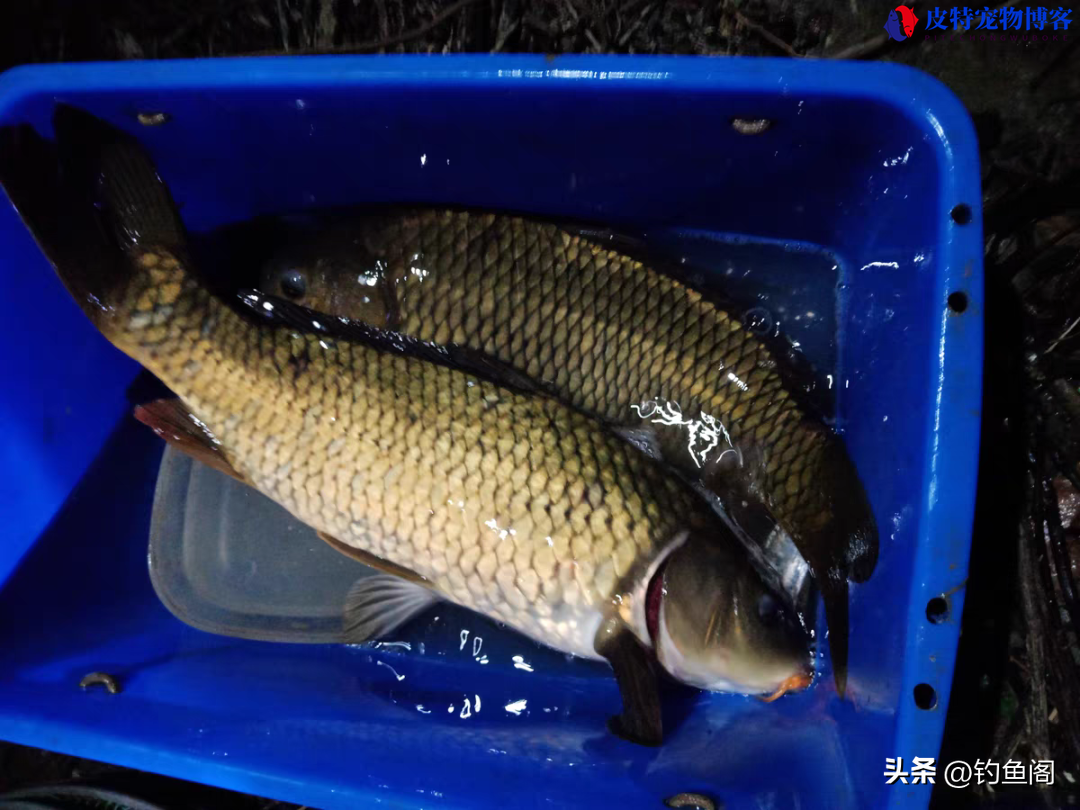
(516, 506)
(605, 333)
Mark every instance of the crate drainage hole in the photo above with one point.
(961, 214)
(958, 302)
(937, 610)
(925, 696)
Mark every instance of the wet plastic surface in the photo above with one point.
(866, 161)
(227, 559)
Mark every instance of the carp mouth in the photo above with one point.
(793, 683)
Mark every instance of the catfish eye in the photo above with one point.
(293, 284)
(769, 609)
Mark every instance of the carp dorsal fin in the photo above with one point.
(172, 420)
(371, 560)
(380, 604)
(634, 247)
(641, 720)
(452, 355)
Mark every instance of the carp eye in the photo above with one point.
(768, 609)
(293, 284)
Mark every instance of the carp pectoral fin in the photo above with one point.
(171, 420)
(640, 721)
(372, 561)
(380, 604)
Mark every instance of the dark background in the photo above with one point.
(1016, 693)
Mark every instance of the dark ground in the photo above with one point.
(23, 768)
(1015, 694)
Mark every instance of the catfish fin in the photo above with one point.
(171, 420)
(452, 355)
(379, 604)
(371, 560)
(641, 721)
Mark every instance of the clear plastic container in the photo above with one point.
(228, 560)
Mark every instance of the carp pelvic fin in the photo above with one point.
(380, 604)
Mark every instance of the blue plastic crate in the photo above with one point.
(867, 160)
